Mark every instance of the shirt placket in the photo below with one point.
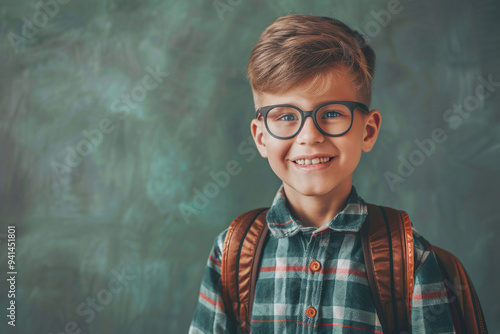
(314, 275)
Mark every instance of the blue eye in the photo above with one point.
(331, 114)
(288, 117)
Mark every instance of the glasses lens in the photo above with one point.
(334, 118)
(283, 121)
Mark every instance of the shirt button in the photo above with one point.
(311, 312)
(315, 265)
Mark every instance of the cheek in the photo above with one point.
(277, 154)
(351, 148)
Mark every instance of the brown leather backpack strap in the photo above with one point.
(255, 272)
(387, 241)
(240, 261)
(459, 285)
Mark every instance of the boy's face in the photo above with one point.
(345, 151)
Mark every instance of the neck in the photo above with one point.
(317, 210)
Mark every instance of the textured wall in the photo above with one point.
(114, 113)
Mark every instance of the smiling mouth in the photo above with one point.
(315, 161)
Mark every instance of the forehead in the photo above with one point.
(334, 85)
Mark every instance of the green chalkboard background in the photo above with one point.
(112, 234)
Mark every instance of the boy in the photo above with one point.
(312, 276)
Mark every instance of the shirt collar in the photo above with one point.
(283, 224)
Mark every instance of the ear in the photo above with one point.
(257, 129)
(371, 129)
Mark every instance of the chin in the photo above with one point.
(313, 190)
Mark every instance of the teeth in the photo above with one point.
(312, 161)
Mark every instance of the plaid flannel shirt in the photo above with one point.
(339, 293)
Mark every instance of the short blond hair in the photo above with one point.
(296, 49)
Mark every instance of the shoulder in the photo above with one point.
(422, 249)
(218, 245)
(214, 260)
(429, 260)
(246, 218)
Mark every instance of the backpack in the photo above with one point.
(387, 242)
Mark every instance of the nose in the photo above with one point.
(309, 134)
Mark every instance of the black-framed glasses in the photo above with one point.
(284, 121)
